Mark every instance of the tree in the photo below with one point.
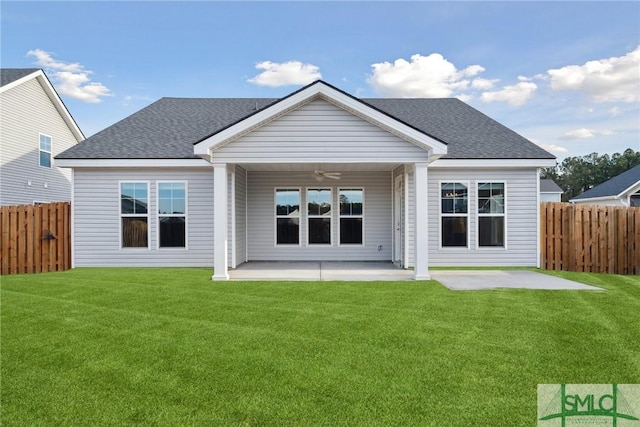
(578, 174)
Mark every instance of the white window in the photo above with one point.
(319, 215)
(287, 216)
(134, 214)
(454, 214)
(351, 216)
(45, 151)
(172, 214)
(491, 214)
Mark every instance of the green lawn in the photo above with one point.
(170, 347)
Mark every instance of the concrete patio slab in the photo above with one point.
(513, 279)
(319, 271)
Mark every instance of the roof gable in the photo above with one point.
(550, 186)
(615, 187)
(326, 92)
(12, 77)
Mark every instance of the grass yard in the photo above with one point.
(170, 347)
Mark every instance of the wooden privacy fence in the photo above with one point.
(35, 239)
(596, 239)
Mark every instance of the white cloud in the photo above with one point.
(70, 79)
(429, 76)
(285, 74)
(515, 95)
(552, 148)
(604, 80)
(483, 84)
(584, 133)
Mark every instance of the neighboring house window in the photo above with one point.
(634, 200)
(134, 214)
(351, 215)
(491, 213)
(172, 214)
(454, 197)
(319, 215)
(287, 216)
(45, 151)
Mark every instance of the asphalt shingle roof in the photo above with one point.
(550, 186)
(614, 186)
(9, 75)
(169, 127)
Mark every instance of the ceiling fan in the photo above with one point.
(320, 175)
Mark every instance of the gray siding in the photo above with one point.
(261, 217)
(25, 112)
(521, 221)
(321, 132)
(96, 218)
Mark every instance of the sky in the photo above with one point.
(565, 75)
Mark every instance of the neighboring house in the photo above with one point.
(34, 126)
(621, 190)
(316, 175)
(550, 191)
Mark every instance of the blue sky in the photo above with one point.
(566, 75)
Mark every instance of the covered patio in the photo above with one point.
(320, 271)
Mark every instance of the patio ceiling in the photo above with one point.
(310, 167)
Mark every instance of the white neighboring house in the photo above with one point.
(317, 175)
(550, 191)
(35, 126)
(621, 190)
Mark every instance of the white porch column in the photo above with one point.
(421, 267)
(220, 230)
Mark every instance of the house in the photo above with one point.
(550, 191)
(621, 190)
(35, 126)
(316, 175)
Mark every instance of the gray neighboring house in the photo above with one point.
(317, 175)
(621, 190)
(35, 126)
(550, 191)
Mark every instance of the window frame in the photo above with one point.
(147, 215)
(276, 217)
(489, 215)
(41, 150)
(361, 216)
(467, 247)
(308, 217)
(185, 215)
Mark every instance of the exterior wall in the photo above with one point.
(602, 202)
(550, 197)
(25, 112)
(378, 223)
(319, 132)
(96, 218)
(521, 219)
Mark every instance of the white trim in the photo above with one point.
(308, 217)
(123, 163)
(120, 214)
(246, 215)
(632, 189)
(478, 215)
(361, 216)
(405, 220)
(185, 215)
(41, 77)
(493, 163)
(275, 217)
(316, 90)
